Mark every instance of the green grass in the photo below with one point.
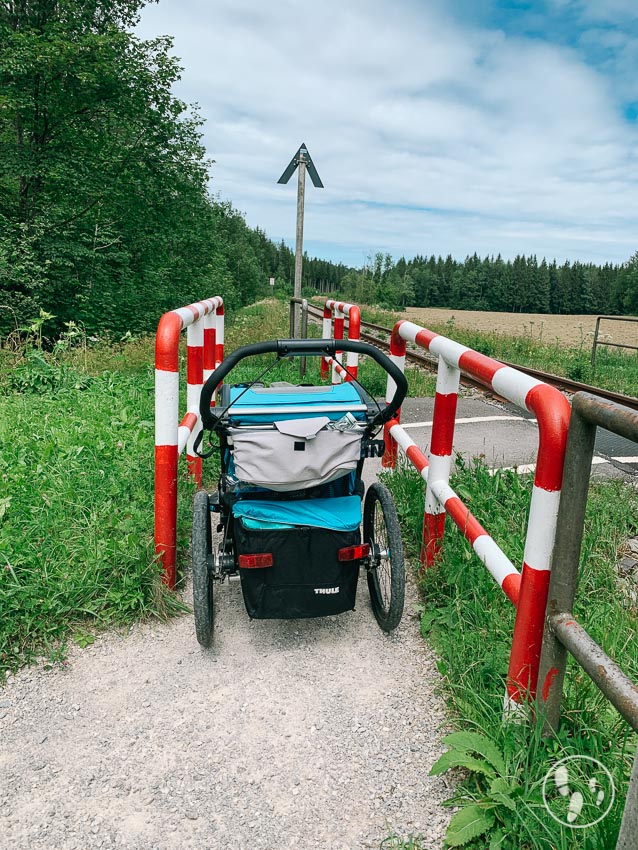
(76, 503)
(395, 842)
(468, 621)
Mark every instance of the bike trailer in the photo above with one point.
(289, 500)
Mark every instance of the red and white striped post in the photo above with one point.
(443, 420)
(338, 328)
(172, 436)
(498, 564)
(326, 333)
(338, 368)
(397, 355)
(194, 384)
(210, 341)
(219, 334)
(552, 412)
(340, 309)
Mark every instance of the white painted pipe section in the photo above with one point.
(166, 407)
(186, 429)
(514, 385)
(541, 528)
(449, 350)
(391, 387)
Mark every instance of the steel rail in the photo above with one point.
(561, 383)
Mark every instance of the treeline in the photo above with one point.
(105, 214)
(106, 217)
(520, 285)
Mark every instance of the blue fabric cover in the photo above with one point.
(259, 523)
(339, 514)
(343, 394)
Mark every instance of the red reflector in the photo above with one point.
(354, 553)
(254, 562)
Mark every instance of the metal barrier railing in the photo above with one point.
(333, 326)
(496, 561)
(598, 342)
(563, 633)
(529, 591)
(338, 310)
(205, 351)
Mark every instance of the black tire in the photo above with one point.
(386, 572)
(202, 569)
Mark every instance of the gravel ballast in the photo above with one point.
(310, 733)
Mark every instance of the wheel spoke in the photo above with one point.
(384, 567)
(386, 576)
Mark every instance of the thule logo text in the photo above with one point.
(325, 590)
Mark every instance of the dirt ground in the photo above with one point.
(566, 330)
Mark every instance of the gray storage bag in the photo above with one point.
(294, 454)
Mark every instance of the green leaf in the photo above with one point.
(455, 758)
(83, 639)
(500, 786)
(474, 742)
(463, 493)
(467, 824)
(504, 800)
(496, 840)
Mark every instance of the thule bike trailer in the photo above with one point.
(289, 510)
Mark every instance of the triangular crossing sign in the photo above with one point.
(302, 155)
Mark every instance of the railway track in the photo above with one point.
(429, 361)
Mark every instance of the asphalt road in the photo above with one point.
(507, 437)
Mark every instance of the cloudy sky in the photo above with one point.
(437, 127)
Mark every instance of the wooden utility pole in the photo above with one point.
(301, 193)
(302, 161)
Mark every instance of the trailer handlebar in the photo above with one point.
(304, 348)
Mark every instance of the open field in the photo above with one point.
(558, 344)
(567, 331)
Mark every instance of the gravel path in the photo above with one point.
(314, 734)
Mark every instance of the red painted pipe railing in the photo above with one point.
(499, 565)
(552, 412)
(205, 351)
(338, 310)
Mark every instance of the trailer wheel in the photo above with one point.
(386, 571)
(202, 560)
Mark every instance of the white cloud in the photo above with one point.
(428, 135)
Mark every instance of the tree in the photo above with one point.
(104, 203)
(628, 285)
